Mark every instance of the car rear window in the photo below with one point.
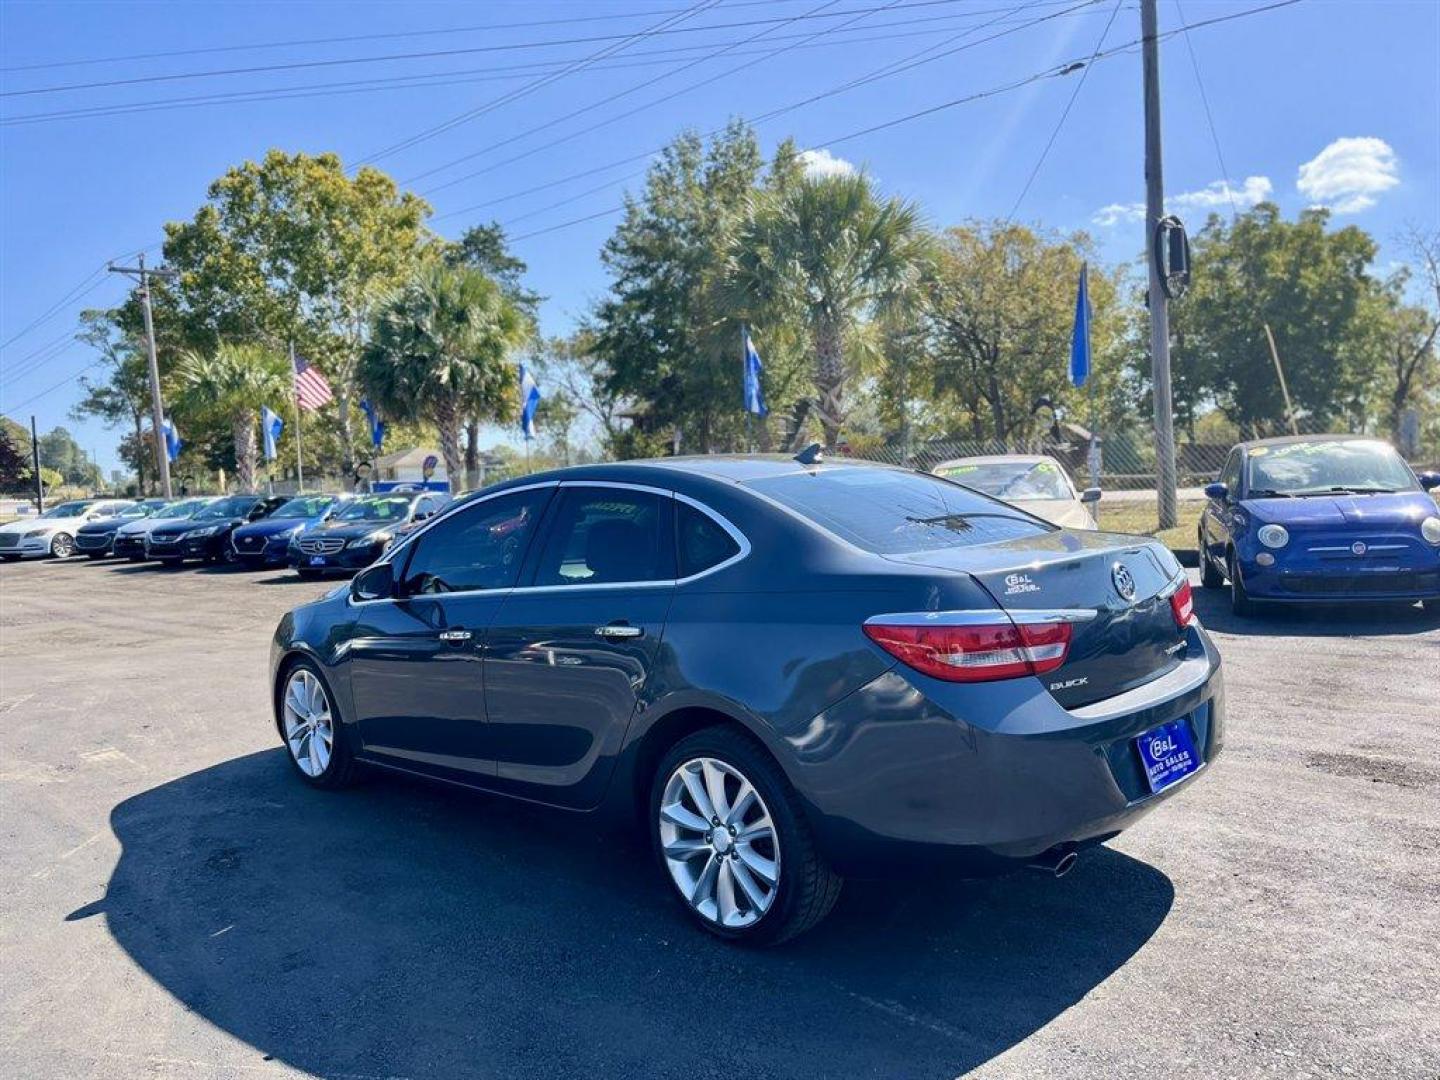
(891, 512)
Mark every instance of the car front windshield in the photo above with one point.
(892, 512)
(1015, 480)
(306, 506)
(235, 506)
(67, 510)
(393, 508)
(1331, 467)
(182, 509)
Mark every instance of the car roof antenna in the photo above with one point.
(813, 454)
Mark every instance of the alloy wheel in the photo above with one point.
(719, 842)
(309, 722)
(62, 546)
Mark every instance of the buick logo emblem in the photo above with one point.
(1124, 581)
(1359, 547)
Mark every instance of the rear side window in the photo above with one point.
(480, 548)
(608, 536)
(700, 541)
(890, 512)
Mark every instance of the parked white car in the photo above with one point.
(1036, 483)
(53, 532)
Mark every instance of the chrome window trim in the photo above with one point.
(983, 617)
(720, 519)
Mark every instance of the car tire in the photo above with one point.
(1210, 577)
(312, 729)
(62, 545)
(722, 882)
(1240, 602)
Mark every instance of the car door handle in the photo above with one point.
(619, 630)
(455, 635)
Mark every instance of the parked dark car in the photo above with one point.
(130, 537)
(1320, 518)
(206, 536)
(793, 672)
(97, 539)
(359, 532)
(267, 542)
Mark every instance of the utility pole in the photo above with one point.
(1159, 303)
(35, 466)
(157, 407)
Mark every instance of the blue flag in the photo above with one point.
(754, 394)
(1080, 339)
(271, 424)
(529, 401)
(173, 442)
(377, 426)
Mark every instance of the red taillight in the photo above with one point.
(1182, 604)
(975, 653)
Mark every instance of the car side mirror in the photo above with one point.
(1429, 480)
(1090, 495)
(1218, 492)
(374, 583)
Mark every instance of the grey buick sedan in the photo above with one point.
(790, 671)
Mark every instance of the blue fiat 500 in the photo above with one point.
(1320, 518)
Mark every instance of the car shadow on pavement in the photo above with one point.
(1355, 619)
(401, 929)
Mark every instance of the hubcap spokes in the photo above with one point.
(719, 842)
(309, 728)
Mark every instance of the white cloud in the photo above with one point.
(1212, 196)
(822, 163)
(1348, 174)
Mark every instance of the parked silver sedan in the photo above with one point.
(1036, 483)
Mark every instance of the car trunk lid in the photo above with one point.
(1132, 636)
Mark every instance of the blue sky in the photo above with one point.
(1321, 102)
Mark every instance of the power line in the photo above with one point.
(937, 52)
(351, 39)
(537, 84)
(454, 77)
(51, 389)
(97, 275)
(1209, 120)
(427, 54)
(967, 99)
(33, 360)
(630, 90)
(1065, 113)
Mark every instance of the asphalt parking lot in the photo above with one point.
(175, 904)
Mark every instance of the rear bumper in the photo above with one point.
(910, 773)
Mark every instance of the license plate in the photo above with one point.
(1168, 754)
(317, 560)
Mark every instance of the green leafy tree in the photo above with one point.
(123, 396)
(233, 383)
(14, 463)
(440, 353)
(293, 249)
(826, 253)
(998, 317)
(485, 248)
(1312, 285)
(666, 342)
(60, 451)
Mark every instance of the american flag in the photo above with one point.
(311, 389)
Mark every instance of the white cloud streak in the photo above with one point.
(1213, 196)
(822, 163)
(1348, 174)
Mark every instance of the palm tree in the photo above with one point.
(440, 353)
(235, 382)
(824, 252)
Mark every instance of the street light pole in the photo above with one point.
(157, 406)
(1159, 303)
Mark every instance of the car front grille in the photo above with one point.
(1361, 584)
(8, 540)
(321, 545)
(249, 543)
(92, 541)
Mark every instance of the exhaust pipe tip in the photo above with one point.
(1057, 863)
